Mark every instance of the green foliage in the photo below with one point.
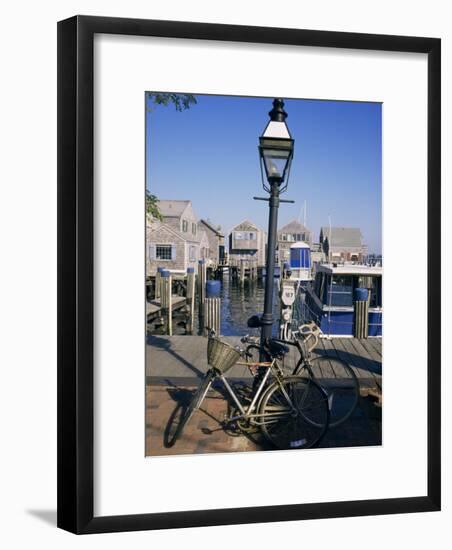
(152, 206)
(181, 102)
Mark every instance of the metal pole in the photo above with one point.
(267, 317)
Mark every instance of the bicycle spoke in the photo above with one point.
(302, 419)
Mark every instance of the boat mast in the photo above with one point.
(329, 240)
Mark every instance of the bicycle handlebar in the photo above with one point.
(309, 333)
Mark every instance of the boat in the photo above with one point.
(329, 298)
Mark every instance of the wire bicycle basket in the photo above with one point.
(220, 355)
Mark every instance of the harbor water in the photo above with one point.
(238, 303)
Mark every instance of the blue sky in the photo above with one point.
(208, 154)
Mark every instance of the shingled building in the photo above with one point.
(343, 244)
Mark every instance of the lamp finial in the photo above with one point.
(278, 113)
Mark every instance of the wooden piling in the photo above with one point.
(191, 278)
(166, 296)
(361, 313)
(158, 276)
(161, 290)
(242, 272)
(233, 269)
(202, 277)
(212, 315)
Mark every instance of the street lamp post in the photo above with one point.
(276, 148)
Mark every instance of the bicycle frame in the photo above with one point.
(247, 412)
(310, 340)
(304, 361)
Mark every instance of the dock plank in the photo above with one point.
(372, 366)
(326, 366)
(347, 353)
(185, 357)
(375, 343)
(373, 353)
(336, 365)
(154, 306)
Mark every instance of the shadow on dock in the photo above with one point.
(166, 344)
(365, 363)
(211, 424)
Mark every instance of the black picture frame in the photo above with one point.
(76, 264)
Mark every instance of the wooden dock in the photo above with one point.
(183, 360)
(154, 307)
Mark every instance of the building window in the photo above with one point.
(192, 253)
(184, 226)
(245, 235)
(163, 252)
(193, 228)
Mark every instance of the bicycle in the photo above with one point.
(342, 384)
(291, 411)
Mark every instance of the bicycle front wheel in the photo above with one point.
(341, 384)
(294, 413)
(195, 402)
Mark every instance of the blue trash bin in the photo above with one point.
(361, 294)
(213, 288)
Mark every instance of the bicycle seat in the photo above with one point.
(255, 322)
(277, 349)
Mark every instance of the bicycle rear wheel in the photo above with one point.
(177, 427)
(295, 413)
(341, 384)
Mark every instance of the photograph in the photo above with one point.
(206, 197)
(264, 269)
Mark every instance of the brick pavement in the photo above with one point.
(203, 434)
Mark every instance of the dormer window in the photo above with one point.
(184, 226)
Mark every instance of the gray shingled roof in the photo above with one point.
(343, 236)
(210, 226)
(174, 208)
(246, 225)
(187, 237)
(294, 227)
